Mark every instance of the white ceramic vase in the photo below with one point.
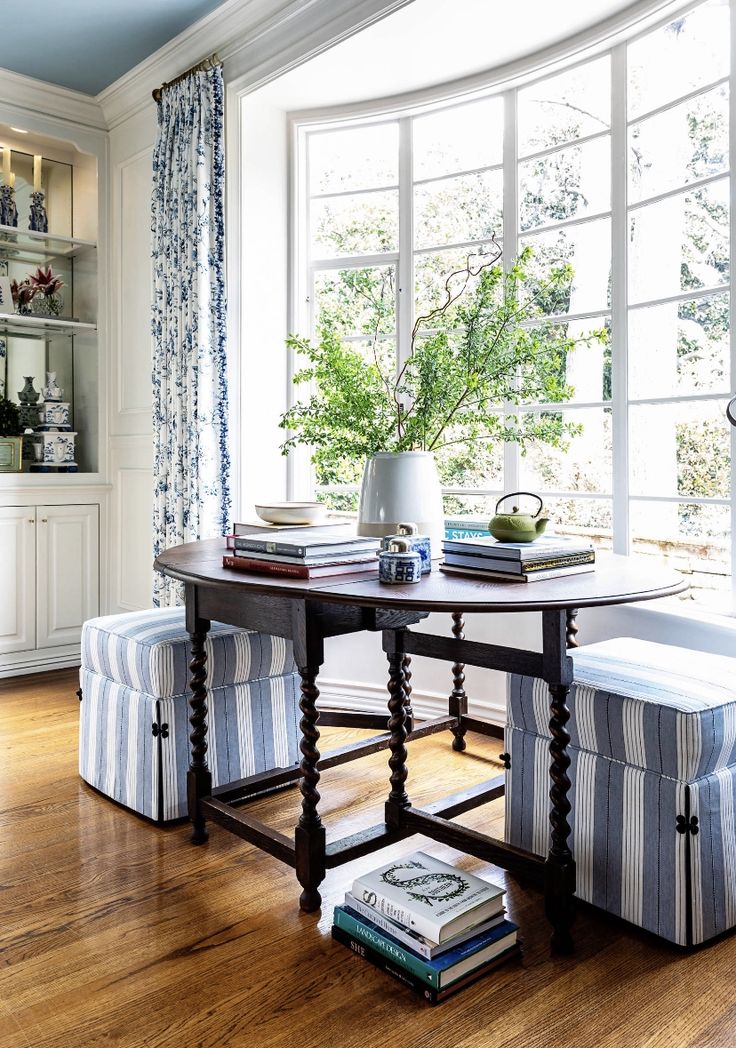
(402, 487)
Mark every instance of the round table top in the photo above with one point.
(616, 580)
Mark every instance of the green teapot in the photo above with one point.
(515, 526)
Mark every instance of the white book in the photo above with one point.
(546, 546)
(428, 896)
(413, 940)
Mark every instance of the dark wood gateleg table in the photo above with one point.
(307, 613)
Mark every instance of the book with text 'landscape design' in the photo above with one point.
(429, 896)
(440, 971)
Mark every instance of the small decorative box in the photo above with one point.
(53, 414)
(399, 563)
(419, 543)
(53, 449)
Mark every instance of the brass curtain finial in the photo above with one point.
(211, 62)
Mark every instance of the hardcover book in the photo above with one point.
(547, 546)
(517, 567)
(418, 944)
(505, 576)
(297, 570)
(431, 995)
(428, 896)
(305, 544)
(441, 971)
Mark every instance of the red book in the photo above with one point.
(297, 571)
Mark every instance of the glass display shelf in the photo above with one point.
(16, 326)
(24, 245)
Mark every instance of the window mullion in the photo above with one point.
(511, 455)
(732, 263)
(405, 276)
(619, 301)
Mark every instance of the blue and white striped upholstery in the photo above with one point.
(149, 652)
(134, 714)
(252, 727)
(653, 741)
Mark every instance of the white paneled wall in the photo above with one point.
(131, 474)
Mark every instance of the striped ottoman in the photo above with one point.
(653, 773)
(134, 727)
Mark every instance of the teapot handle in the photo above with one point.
(511, 495)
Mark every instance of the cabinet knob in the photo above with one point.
(44, 520)
(31, 520)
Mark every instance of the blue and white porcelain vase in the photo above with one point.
(399, 563)
(421, 544)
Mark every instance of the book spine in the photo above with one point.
(409, 961)
(284, 549)
(399, 914)
(263, 567)
(362, 950)
(414, 943)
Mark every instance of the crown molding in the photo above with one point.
(266, 36)
(25, 94)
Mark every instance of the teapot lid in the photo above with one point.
(515, 509)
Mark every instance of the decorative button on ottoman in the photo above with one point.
(653, 773)
(134, 723)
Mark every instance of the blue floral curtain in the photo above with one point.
(190, 426)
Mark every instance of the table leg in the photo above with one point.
(398, 797)
(199, 777)
(458, 704)
(560, 866)
(406, 667)
(309, 836)
(572, 628)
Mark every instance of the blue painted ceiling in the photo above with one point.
(88, 44)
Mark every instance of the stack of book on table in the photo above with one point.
(547, 557)
(301, 554)
(431, 926)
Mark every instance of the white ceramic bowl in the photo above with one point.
(293, 513)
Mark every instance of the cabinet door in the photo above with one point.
(17, 578)
(67, 572)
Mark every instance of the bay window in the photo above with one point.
(618, 165)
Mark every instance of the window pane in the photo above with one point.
(476, 465)
(586, 366)
(458, 139)
(469, 513)
(679, 348)
(680, 449)
(456, 210)
(357, 301)
(581, 463)
(587, 248)
(679, 243)
(684, 143)
(354, 158)
(431, 274)
(565, 107)
(686, 54)
(590, 518)
(367, 224)
(339, 501)
(693, 539)
(567, 184)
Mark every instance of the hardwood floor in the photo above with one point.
(117, 932)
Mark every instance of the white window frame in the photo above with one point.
(302, 268)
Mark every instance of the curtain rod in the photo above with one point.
(211, 62)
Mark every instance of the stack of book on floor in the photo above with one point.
(431, 926)
(300, 554)
(547, 557)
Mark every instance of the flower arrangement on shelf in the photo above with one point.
(22, 293)
(47, 300)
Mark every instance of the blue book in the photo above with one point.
(438, 972)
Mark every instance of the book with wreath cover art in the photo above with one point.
(428, 896)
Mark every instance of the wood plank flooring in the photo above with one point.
(117, 932)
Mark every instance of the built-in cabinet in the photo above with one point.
(49, 569)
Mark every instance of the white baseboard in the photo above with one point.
(370, 698)
(24, 662)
